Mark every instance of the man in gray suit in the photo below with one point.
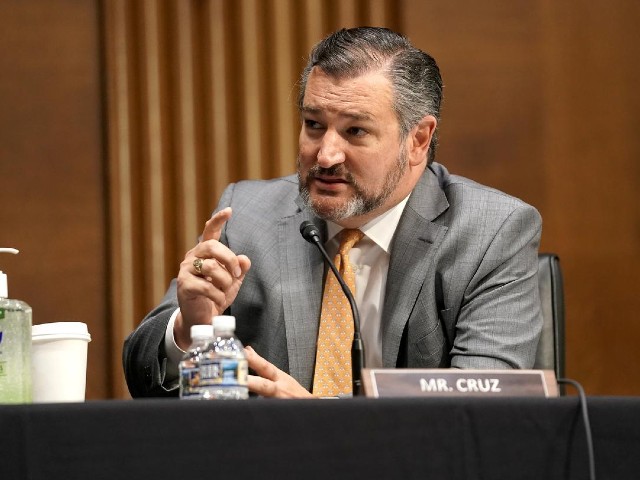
(446, 273)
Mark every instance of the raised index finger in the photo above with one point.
(213, 227)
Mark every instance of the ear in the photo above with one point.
(420, 139)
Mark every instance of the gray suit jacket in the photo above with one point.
(461, 288)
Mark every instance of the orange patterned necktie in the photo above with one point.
(333, 354)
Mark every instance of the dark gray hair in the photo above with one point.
(414, 75)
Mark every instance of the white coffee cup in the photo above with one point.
(59, 361)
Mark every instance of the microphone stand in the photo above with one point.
(312, 235)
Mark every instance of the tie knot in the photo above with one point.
(348, 238)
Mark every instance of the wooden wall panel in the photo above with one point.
(541, 101)
(199, 94)
(52, 196)
(591, 162)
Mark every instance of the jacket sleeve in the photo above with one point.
(144, 358)
(499, 321)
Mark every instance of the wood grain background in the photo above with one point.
(121, 122)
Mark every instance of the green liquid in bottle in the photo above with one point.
(15, 351)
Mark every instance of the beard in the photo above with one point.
(362, 201)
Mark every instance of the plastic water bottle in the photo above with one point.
(223, 367)
(190, 381)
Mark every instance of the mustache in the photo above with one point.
(333, 171)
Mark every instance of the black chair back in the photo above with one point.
(550, 355)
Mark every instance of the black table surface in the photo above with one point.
(439, 438)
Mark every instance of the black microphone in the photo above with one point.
(312, 235)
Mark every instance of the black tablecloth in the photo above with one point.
(452, 438)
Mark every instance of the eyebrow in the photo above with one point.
(355, 115)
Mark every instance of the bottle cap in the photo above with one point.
(224, 322)
(201, 331)
(4, 288)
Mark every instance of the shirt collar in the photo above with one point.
(380, 230)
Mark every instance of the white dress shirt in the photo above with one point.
(370, 259)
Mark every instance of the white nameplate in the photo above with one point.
(411, 382)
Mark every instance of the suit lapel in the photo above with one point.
(301, 270)
(412, 251)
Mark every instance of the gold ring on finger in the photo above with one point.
(197, 264)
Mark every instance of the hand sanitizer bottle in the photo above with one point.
(15, 345)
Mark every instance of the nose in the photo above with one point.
(331, 150)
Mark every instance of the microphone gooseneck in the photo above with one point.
(311, 234)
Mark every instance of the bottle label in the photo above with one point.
(190, 382)
(226, 372)
(3, 368)
(3, 364)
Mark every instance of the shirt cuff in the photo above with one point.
(174, 354)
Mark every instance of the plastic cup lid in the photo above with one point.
(60, 328)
